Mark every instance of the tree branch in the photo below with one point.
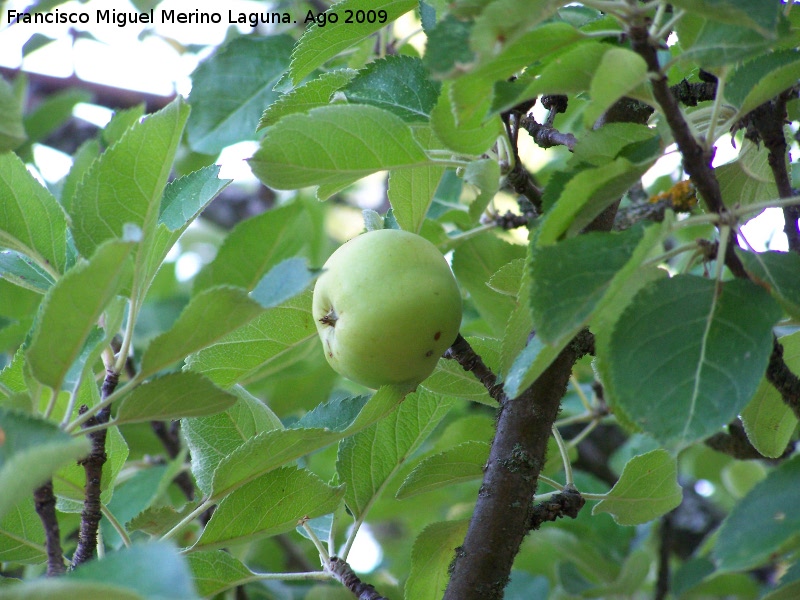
(734, 443)
(345, 575)
(45, 502)
(504, 512)
(170, 438)
(768, 120)
(565, 504)
(696, 158)
(463, 354)
(93, 467)
(547, 136)
(519, 178)
(783, 379)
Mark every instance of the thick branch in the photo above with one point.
(345, 575)
(45, 502)
(504, 511)
(93, 467)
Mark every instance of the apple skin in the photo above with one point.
(386, 308)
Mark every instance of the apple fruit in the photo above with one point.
(386, 308)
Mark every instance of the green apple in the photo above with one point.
(386, 307)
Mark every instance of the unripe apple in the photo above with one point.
(386, 307)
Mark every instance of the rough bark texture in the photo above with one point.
(45, 502)
(504, 510)
(93, 467)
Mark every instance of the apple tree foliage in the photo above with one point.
(618, 416)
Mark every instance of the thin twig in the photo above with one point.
(464, 355)
(345, 575)
(93, 467)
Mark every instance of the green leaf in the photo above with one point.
(120, 122)
(209, 316)
(747, 179)
(474, 263)
(334, 145)
(268, 451)
(710, 43)
(767, 419)
(398, 84)
(686, 355)
(70, 311)
(269, 505)
(571, 277)
(303, 98)
(231, 89)
(464, 462)
(647, 489)
(256, 245)
(507, 279)
(167, 573)
(368, 460)
(61, 588)
(450, 379)
(337, 414)
(186, 197)
(586, 195)
(570, 72)
(53, 112)
(216, 571)
(173, 396)
(473, 135)
(761, 79)
(603, 145)
(284, 281)
(135, 494)
(470, 91)
(411, 191)
(760, 16)
(503, 22)
(24, 272)
(12, 131)
(321, 43)
(22, 535)
(125, 184)
(763, 522)
(277, 337)
(530, 363)
(777, 272)
(83, 158)
(620, 72)
(31, 221)
(433, 552)
(210, 439)
(32, 450)
(485, 175)
(447, 49)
